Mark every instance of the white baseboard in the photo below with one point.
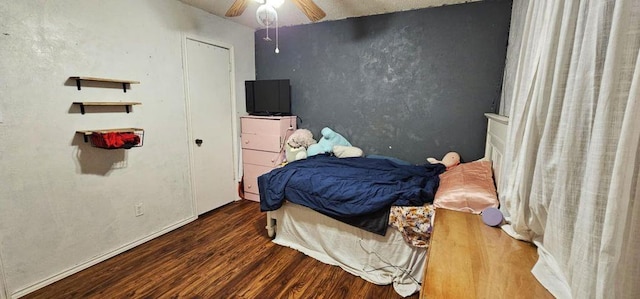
(104, 257)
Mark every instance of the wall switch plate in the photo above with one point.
(139, 209)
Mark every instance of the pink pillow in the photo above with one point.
(467, 187)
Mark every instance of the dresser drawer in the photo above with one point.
(269, 159)
(251, 174)
(252, 196)
(258, 125)
(283, 125)
(268, 143)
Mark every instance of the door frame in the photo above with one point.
(4, 292)
(234, 117)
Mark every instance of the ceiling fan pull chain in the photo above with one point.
(265, 15)
(277, 50)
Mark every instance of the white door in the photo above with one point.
(210, 112)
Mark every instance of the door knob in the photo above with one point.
(199, 142)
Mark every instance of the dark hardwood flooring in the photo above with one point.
(225, 253)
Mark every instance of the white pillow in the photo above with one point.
(342, 151)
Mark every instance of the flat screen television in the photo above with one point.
(268, 97)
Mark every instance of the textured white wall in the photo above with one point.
(64, 205)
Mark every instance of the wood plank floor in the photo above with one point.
(474, 260)
(226, 253)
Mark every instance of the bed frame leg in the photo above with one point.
(271, 225)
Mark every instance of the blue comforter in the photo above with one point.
(349, 187)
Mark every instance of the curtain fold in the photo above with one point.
(573, 155)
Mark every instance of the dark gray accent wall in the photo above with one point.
(411, 85)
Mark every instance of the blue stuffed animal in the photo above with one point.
(326, 143)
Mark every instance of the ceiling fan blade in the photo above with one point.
(310, 9)
(237, 8)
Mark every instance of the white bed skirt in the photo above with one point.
(377, 259)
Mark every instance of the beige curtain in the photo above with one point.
(573, 156)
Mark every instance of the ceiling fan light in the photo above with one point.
(259, 1)
(266, 15)
(275, 3)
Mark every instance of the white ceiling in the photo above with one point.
(288, 13)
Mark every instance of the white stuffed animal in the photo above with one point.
(297, 144)
(295, 153)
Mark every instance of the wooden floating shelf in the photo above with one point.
(95, 79)
(105, 80)
(87, 133)
(127, 105)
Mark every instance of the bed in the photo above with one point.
(398, 255)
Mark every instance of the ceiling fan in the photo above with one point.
(308, 7)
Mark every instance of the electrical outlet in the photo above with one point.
(139, 209)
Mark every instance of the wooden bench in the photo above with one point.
(468, 259)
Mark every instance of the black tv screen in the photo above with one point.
(268, 97)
